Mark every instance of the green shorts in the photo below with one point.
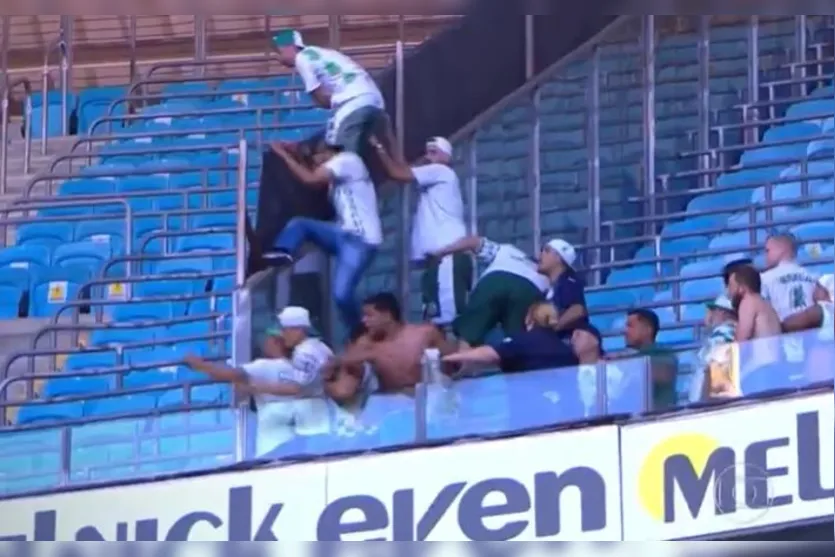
(498, 299)
(444, 287)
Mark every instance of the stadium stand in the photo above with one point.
(150, 276)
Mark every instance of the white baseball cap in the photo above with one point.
(721, 302)
(442, 144)
(565, 250)
(294, 316)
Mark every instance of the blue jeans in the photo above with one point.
(353, 256)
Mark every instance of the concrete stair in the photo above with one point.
(16, 179)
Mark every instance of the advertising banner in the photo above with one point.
(744, 467)
(538, 487)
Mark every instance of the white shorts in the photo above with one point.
(343, 111)
(280, 421)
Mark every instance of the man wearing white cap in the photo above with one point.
(286, 383)
(567, 292)
(439, 221)
(335, 81)
(503, 294)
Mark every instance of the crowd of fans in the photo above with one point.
(536, 304)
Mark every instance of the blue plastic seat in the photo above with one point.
(141, 312)
(90, 254)
(49, 293)
(214, 220)
(94, 103)
(821, 232)
(183, 265)
(120, 405)
(86, 186)
(50, 234)
(10, 299)
(205, 242)
(111, 232)
(143, 378)
(78, 361)
(17, 278)
(121, 336)
(75, 386)
(25, 257)
(815, 111)
(49, 412)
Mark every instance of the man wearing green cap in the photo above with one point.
(334, 81)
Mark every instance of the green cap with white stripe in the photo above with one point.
(288, 37)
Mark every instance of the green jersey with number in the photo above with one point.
(343, 78)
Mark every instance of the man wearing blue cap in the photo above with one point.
(336, 82)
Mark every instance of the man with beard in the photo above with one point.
(757, 332)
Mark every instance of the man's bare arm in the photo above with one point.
(570, 316)
(396, 170)
(468, 243)
(820, 294)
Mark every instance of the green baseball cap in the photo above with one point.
(288, 37)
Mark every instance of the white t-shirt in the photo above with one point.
(789, 288)
(439, 219)
(338, 74)
(282, 418)
(355, 198)
(509, 258)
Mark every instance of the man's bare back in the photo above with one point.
(397, 358)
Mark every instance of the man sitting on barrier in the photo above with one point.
(642, 327)
(718, 376)
(503, 294)
(286, 384)
(353, 240)
(337, 82)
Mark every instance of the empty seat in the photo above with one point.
(120, 405)
(25, 257)
(88, 254)
(140, 312)
(78, 361)
(50, 234)
(206, 242)
(48, 412)
(52, 291)
(75, 386)
(10, 300)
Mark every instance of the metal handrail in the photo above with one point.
(174, 132)
(195, 113)
(772, 122)
(61, 46)
(734, 148)
(9, 86)
(120, 368)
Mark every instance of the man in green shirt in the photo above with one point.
(642, 327)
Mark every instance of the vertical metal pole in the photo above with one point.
(472, 183)
(800, 46)
(132, 43)
(753, 60)
(534, 176)
(4, 138)
(4, 48)
(648, 51)
(530, 68)
(703, 99)
(334, 38)
(240, 217)
(200, 42)
(45, 98)
(65, 51)
(593, 147)
(27, 130)
(405, 199)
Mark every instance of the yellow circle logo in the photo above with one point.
(696, 447)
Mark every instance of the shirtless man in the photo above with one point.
(393, 349)
(757, 332)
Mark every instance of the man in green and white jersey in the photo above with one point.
(504, 292)
(337, 82)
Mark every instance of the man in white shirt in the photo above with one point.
(821, 315)
(786, 285)
(335, 81)
(439, 220)
(353, 240)
(286, 383)
(504, 292)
